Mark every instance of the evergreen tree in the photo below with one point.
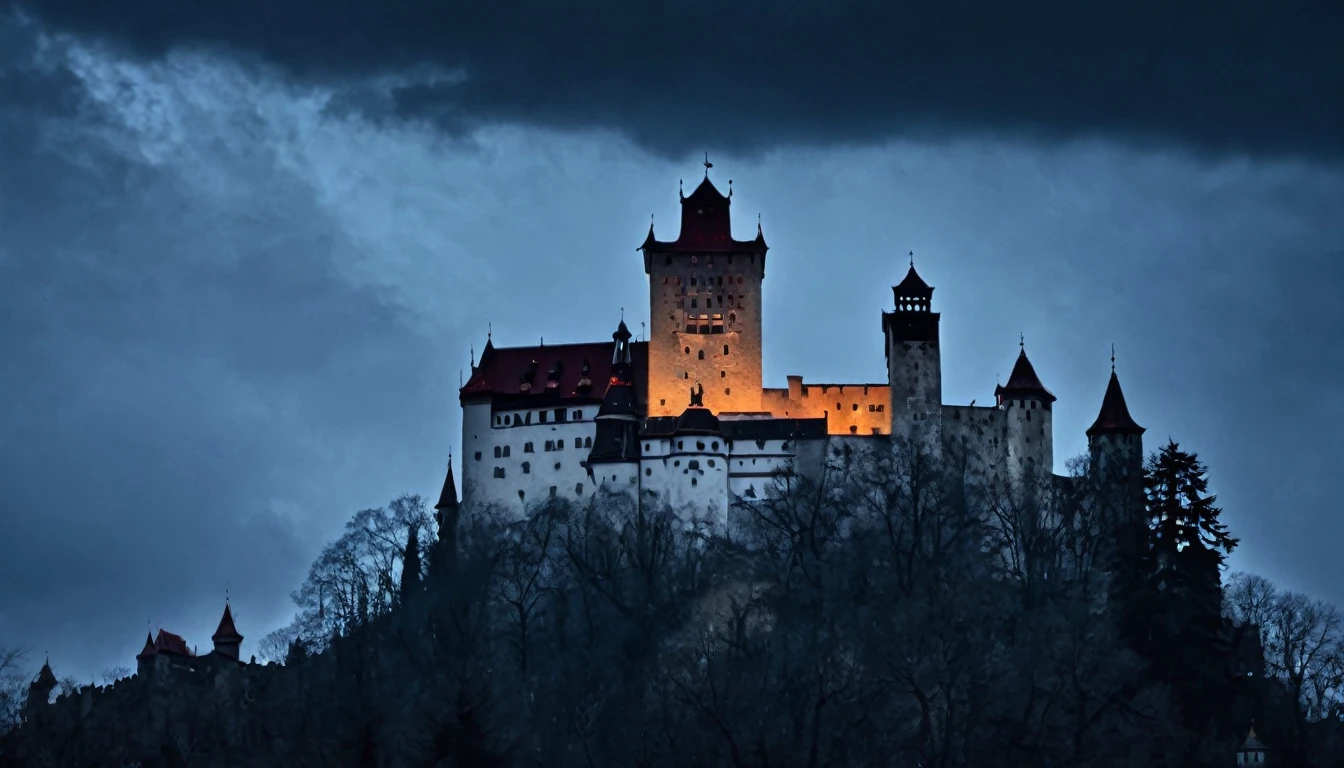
(1188, 545)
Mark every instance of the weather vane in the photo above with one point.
(708, 165)
(1021, 341)
(912, 259)
(1112, 358)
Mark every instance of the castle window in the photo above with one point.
(702, 354)
(550, 445)
(676, 463)
(506, 451)
(648, 471)
(714, 445)
(552, 491)
(527, 467)
(498, 421)
(699, 446)
(694, 303)
(587, 442)
(559, 414)
(560, 444)
(838, 406)
(872, 408)
(725, 350)
(732, 317)
(710, 462)
(541, 417)
(667, 262)
(880, 407)
(508, 420)
(577, 415)
(527, 448)
(557, 466)
(529, 419)
(877, 431)
(727, 390)
(662, 401)
(723, 374)
(478, 455)
(646, 447)
(853, 430)
(521, 494)
(680, 444)
(693, 481)
(578, 488)
(692, 464)
(499, 452)
(693, 281)
(688, 350)
(856, 406)
(578, 442)
(499, 473)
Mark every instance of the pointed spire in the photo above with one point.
(226, 632)
(708, 165)
(149, 649)
(1023, 383)
(1114, 418)
(912, 293)
(448, 496)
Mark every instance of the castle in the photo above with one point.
(684, 418)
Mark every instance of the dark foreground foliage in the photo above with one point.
(863, 618)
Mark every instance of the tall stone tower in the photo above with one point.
(1115, 446)
(914, 367)
(1027, 407)
(705, 309)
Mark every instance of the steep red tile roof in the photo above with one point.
(226, 630)
(1023, 381)
(1114, 418)
(557, 376)
(705, 225)
(171, 643)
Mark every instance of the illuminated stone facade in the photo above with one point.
(683, 418)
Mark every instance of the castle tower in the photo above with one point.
(914, 367)
(445, 513)
(1027, 407)
(613, 463)
(226, 638)
(705, 309)
(1115, 443)
(39, 691)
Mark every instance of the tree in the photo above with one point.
(13, 688)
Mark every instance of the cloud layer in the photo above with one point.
(1227, 77)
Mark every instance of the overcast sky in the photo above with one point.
(245, 247)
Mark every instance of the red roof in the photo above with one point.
(149, 649)
(167, 642)
(705, 225)
(1114, 418)
(226, 630)
(1023, 381)
(553, 372)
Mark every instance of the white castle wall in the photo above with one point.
(513, 458)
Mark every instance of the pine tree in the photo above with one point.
(1188, 545)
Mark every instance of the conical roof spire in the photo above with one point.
(149, 649)
(448, 496)
(226, 632)
(1114, 418)
(1023, 383)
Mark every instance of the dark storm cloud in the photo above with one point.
(1242, 75)
(170, 368)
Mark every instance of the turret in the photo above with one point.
(914, 367)
(699, 470)
(446, 513)
(1252, 751)
(226, 638)
(145, 657)
(39, 691)
(1115, 440)
(613, 462)
(1115, 444)
(1027, 407)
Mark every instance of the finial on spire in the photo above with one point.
(681, 188)
(708, 165)
(473, 354)
(460, 382)
(641, 330)
(543, 341)
(622, 314)
(1022, 341)
(1112, 358)
(489, 331)
(730, 189)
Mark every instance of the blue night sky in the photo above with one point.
(244, 254)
